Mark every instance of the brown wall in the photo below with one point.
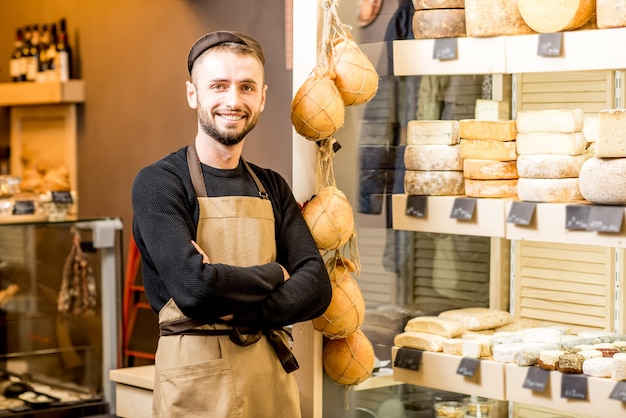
(131, 55)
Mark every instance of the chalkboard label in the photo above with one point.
(24, 207)
(445, 49)
(468, 366)
(408, 358)
(463, 209)
(619, 392)
(521, 213)
(536, 379)
(416, 206)
(606, 218)
(573, 386)
(62, 197)
(550, 44)
(577, 217)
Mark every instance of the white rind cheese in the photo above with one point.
(433, 158)
(611, 141)
(489, 169)
(598, 366)
(591, 127)
(550, 166)
(434, 183)
(433, 132)
(488, 150)
(439, 23)
(494, 18)
(551, 143)
(545, 16)
(491, 188)
(548, 190)
(491, 130)
(601, 180)
(487, 109)
(552, 120)
(610, 13)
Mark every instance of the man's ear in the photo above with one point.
(192, 95)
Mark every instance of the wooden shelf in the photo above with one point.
(32, 93)
(582, 50)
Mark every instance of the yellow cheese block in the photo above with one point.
(611, 141)
(491, 188)
(494, 130)
(494, 18)
(433, 183)
(433, 157)
(438, 4)
(591, 127)
(545, 16)
(611, 13)
(439, 23)
(601, 180)
(489, 169)
(551, 143)
(550, 166)
(478, 149)
(548, 190)
(433, 132)
(487, 109)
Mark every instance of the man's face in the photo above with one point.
(229, 95)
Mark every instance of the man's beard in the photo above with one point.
(226, 137)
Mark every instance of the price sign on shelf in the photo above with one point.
(521, 213)
(468, 366)
(577, 217)
(445, 49)
(416, 206)
(408, 358)
(605, 218)
(550, 44)
(24, 207)
(573, 386)
(463, 209)
(536, 379)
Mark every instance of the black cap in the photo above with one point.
(219, 37)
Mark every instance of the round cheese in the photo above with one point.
(439, 23)
(478, 149)
(490, 188)
(548, 190)
(550, 166)
(494, 18)
(489, 169)
(611, 141)
(433, 158)
(556, 16)
(601, 180)
(551, 143)
(433, 132)
(598, 367)
(433, 183)
(611, 13)
(550, 120)
(495, 130)
(438, 4)
(618, 366)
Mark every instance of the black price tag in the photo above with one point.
(577, 217)
(606, 218)
(521, 213)
(62, 197)
(619, 392)
(573, 386)
(408, 358)
(24, 207)
(416, 206)
(463, 209)
(550, 44)
(536, 379)
(468, 366)
(445, 48)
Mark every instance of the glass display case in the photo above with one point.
(59, 315)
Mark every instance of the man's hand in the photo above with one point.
(206, 260)
(286, 275)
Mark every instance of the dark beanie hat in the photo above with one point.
(219, 37)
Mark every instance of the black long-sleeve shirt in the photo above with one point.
(165, 219)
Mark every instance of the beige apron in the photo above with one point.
(208, 375)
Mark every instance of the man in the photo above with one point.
(228, 260)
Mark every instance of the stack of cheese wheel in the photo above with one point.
(557, 16)
(438, 19)
(488, 152)
(601, 177)
(494, 18)
(551, 149)
(611, 13)
(432, 158)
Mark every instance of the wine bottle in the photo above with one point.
(17, 65)
(51, 53)
(63, 65)
(32, 62)
(42, 54)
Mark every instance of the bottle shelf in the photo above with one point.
(33, 93)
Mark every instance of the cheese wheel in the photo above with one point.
(488, 150)
(490, 188)
(433, 132)
(601, 180)
(548, 359)
(550, 166)
(551, 143)
(548, 190)
(433, 183)
(420, 341)
(487, 109)
(433, 157)
(439, 23)
(550, 120)
(556, 16)
(489, 169)
(505, 353)
(438, 4)
(448, 328)
(611, 13)
(494, 18)
(493, 130)
(618, 366)
(598, 367)
(611, 140)
(591, 127)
